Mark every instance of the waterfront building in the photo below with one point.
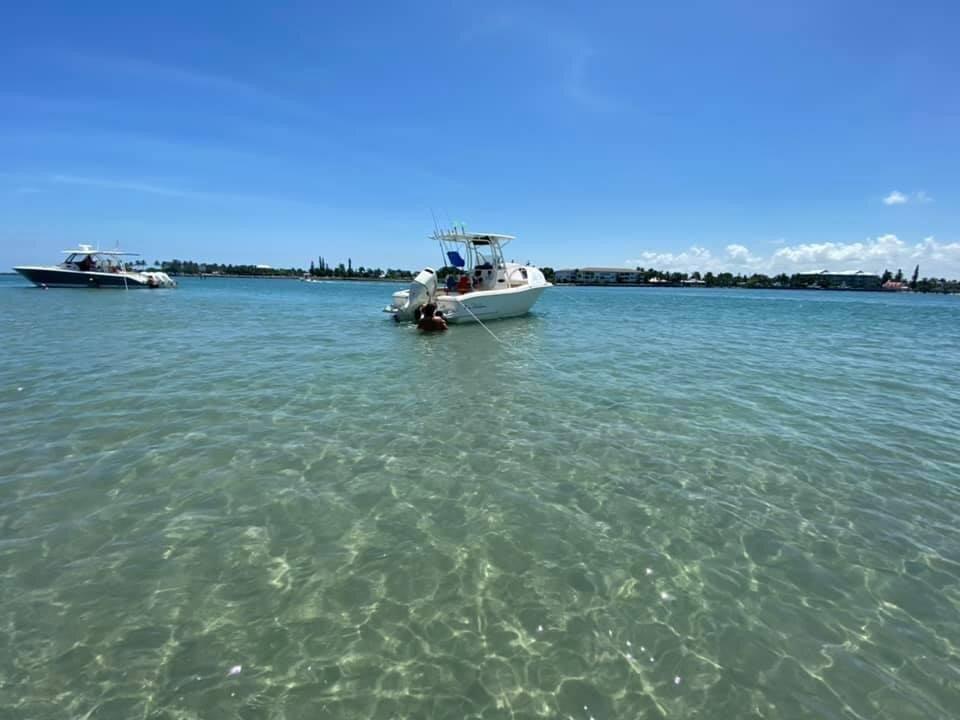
(599, 276)
(842, 280)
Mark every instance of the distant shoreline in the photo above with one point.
(650, 286)
(653, 286)
(208, 276)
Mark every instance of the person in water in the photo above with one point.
(430, 320)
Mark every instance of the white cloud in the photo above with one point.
(871, 255)
(741, 255)
(736, 258)
(696, 258)
(865, 255)
(898, 198)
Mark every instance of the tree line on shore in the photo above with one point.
(321, 269)
(783, 280)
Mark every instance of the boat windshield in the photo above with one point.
(483, 259)
(83, 261)
(90, 261)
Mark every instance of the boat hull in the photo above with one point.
(489, 304)
(58, 277)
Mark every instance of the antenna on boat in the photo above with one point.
(438, 236)
(123, 269)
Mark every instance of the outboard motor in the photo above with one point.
(422, 289)
(159, 280)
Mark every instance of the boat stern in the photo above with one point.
(158, 280)
(404, 303)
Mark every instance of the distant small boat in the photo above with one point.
(90, 268)
(310, 279)
(485, 288)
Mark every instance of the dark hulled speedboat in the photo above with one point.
(86, 267)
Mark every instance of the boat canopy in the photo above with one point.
(87, 250)
(472, 238)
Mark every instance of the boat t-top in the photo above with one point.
(85, 266)
(482, 286)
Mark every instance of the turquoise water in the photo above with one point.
(637, 504)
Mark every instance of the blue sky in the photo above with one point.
(734, 135)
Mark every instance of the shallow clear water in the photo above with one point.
(639, 503)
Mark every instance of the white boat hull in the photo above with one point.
(483, 285)
(489, 304)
